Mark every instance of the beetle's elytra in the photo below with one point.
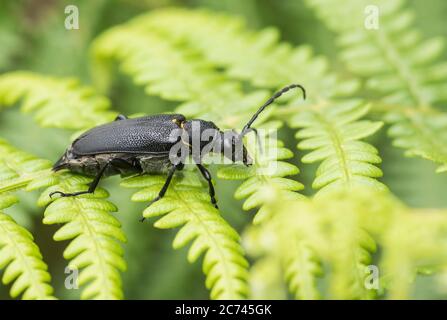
(144, 145)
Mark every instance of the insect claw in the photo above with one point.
(142, 219)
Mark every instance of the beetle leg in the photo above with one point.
(164, 188)
(91, 188)
(120, 117)
(206, 174)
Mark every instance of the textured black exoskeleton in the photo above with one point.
(143, 145)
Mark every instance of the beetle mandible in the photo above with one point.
(142, 145)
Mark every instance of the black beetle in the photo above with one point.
(143, 145)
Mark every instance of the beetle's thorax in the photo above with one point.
(200, 133)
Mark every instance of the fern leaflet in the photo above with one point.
(186, 204)
(94, 233)
(88, 221)
(399, 68)
(18, 169)
(21, 257)
(55, 101)
(334, 137)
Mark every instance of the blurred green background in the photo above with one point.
(33, 37)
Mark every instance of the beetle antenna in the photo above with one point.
(247, 127)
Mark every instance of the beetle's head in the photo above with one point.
(204, 136)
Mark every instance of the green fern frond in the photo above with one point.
(95, 232)
(266, 280)
(95, 236)
(88, 221)
(220, 100)
(422, 134)
(370, 220)
(267, 176)
(7, 199)
(283, 243)
(399, 68)
(344, 245)
(55, 101)
(301, 264)
(334, 138)
(174, 72)
(22, 261)
(302, 267)
(254, 57)
(188, 206)
(18, 169)
(151, 62)
(350, 254)
(422, 247)
(266, 275)
(19, 255)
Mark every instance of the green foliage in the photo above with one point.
(23, 263)
(334, 138)
(19, 255)
(18, 169)
(399, 68)
(279, 250)
(94, 233)
(267, 176)
(187, 205)
(45, 95)
(174, 72)
(88, 223)
(345, 242)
